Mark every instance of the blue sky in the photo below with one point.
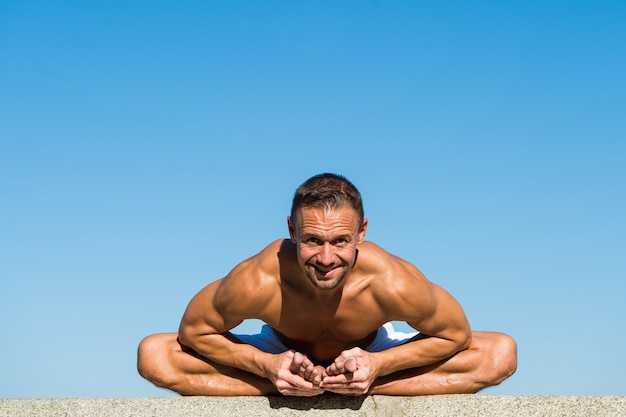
(147, 147)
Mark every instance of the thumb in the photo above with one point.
(350, 364)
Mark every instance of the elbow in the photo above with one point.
(193, 336)
(187, 335)
(456, 343)
(467, 341)
(465, 336)
(464, 340)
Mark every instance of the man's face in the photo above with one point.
(326, 243)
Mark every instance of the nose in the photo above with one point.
(325, 255)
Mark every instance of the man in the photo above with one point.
(327, 297)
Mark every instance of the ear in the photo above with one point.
(362, 231)
(292, 229)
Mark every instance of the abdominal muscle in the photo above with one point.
(325, 348)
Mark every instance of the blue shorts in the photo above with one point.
(268, 340)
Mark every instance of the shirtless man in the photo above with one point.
(327, 297)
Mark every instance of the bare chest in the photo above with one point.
(323, 330)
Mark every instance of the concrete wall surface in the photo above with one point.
(440, 405)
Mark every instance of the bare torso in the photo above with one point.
(323, 329)
(322, 323)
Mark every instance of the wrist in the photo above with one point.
(265, 363)
(378, 366)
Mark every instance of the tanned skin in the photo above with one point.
(326, 291)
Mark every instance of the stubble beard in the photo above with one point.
(325, 284)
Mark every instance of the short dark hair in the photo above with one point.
(327, 191)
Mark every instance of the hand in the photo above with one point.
(352, 373)
(294, 374)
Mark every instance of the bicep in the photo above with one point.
(224, 304)
(204, 316)
(424, 305)
(443, 317)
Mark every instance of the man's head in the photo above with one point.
(329, 192)
(327, 224)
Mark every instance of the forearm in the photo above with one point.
(418, 353)
(222, 350)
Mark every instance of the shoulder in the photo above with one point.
(246, 292)
(396, 283)
(373, 259)
(261, 264)
(251, 283)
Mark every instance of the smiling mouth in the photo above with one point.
(325, 273)
(321, 271)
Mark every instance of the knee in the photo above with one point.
(153, 359)
(502, 358)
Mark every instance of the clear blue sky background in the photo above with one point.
(149, 146)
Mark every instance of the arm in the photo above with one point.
(205, 323)
(405, 295)
(445, 329)
(247, 292)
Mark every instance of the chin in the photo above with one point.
(326, 284)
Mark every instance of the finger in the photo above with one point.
(331, 370)
(296, 362)
(304, 367)
(304, 362)
(349, 388)
(336, 380)
(346, 391)
(302, 393)
(307, 371)
(296, 385)
(317, 375)
(342, 365)
(350, 365)
(336, 367)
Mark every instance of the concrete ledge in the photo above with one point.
(441, 405)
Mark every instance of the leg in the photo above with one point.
(165, 363)
(490, 359)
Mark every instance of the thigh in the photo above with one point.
(491, 341)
